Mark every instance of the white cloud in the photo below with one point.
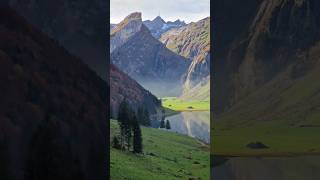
(170, 10)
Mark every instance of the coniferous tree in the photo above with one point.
(123, 121)
(137, 136)
(162, 123)
(168, 125)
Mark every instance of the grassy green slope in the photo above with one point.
(166, 156)
(178, 104)
(284, 114)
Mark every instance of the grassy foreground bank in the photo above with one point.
(167, 155)
(177, 104)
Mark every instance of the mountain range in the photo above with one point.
(145, 59)
(192, 42)
(267, 65)
(158, 26)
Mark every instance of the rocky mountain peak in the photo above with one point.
(158, 26)
(121, 32)
(158, 19)
(133, 16)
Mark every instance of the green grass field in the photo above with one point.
(282, 140)
(167, 156)
(177, 104)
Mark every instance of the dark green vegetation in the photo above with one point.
(143, 116)
(129, 126)
(167, 155)
(168, 126)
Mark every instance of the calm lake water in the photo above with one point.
(276, 168)
(194, 124)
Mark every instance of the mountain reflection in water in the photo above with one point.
(271, 168)
(195, 124)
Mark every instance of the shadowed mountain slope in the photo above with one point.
(78, 25)
(270, 67)
(123, 87)
(53, 107)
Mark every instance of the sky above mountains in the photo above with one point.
(169, 10)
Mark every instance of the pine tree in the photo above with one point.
(168, 125)
(137, 136)
(162, 123)
(123, 121)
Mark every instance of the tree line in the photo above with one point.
(130, 138)
(165, 124)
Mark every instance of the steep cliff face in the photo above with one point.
(52, 109)
(124, 30)
(78, 25)
(193, 42)
(123, 87)
(268, 59)
(150, 63)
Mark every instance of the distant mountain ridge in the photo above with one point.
(193, 42)
(158, 26)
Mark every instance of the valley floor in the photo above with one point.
(281, 140)
(177, 104)
(167, 155)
